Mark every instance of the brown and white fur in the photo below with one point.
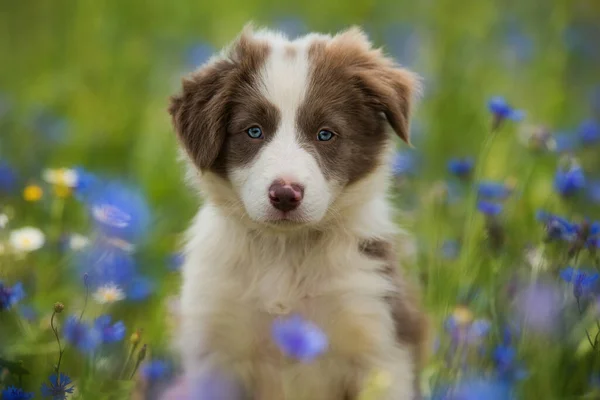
(332, 259)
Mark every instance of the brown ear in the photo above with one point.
(199, 112)
(390, 89)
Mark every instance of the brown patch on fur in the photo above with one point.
(351, 85)
(409, 319)
(290, 51)
(219, 102)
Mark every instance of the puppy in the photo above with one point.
(289, 142)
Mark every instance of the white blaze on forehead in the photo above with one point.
(283, 81)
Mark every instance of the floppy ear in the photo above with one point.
(389, 88)
(391, 91)
(199, 112)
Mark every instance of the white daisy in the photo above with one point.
(26, 239)
(3, 221)
(62, 177)
(108, 294)
(78, 242)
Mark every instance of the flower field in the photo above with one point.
(501, 191)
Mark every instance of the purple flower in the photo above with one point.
(589, 132)
(467, 333)
(461, 167)
(13, 393)
(84, 337)
(58, 387)
(155, 370)
(537, 307)
(503, 111)
(489, 208)
(109, 333)
(299, 338)
(584, 282)
(9, 296)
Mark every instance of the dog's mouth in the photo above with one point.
(286, 219)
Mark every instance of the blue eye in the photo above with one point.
(254, 132)
(324, 135)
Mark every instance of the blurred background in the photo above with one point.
(92, 204)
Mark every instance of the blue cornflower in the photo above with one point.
(28, 313)
(86, 183)
(566, 142)
(467, 332)
(175, 261)
(199, 54)
(404, 163)
(503, 111)
(8, 178)
(50, 125)
(569, 181)
(481, 388)
(505, 360)
(106, 263)
(58, 387)
(155, 370)
(594, 191)
(139, 288)
(584, 282)
(461, 167)
(488, 208)
(450, 249)
(557, 228)
(589, 132)
(84, 337)
(298, 338)
(521, 45)
(291, 26)
(109, 333)
(13, 393)
(119, 211)
(9, 296)
(493, 190)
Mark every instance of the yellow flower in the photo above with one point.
(463, 315)
(32, 193)
(62, 191)
(376, 385)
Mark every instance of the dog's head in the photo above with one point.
(288, 126)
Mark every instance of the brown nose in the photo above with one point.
(285, 196)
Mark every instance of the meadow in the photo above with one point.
(501, 189)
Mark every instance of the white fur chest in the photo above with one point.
(236, 284)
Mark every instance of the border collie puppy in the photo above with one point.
(289, 143)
